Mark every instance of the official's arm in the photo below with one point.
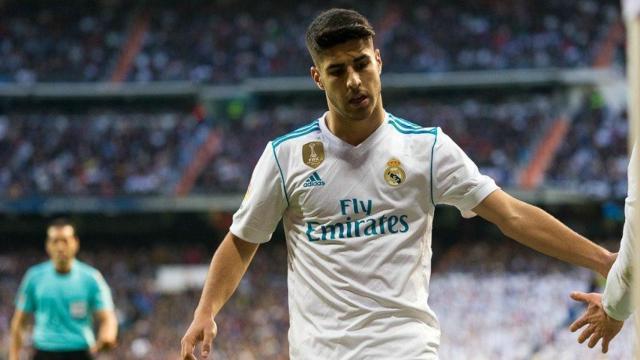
(107, 329)
(18, 325)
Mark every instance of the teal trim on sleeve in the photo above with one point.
(284, 188)
(405, 123)
(406, 127)
(314, 126)
(433, 150)
(296, 131)
(402, 130)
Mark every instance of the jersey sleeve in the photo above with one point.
(101, 298)
(455, 178)
(616, 298)
(264, 203)
(25, 300)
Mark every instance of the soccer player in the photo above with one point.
(607, 312)
(357, 190)
(63, 295)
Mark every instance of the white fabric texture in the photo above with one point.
(616, 298)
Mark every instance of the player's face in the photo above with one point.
(62, 245)
(349, 73)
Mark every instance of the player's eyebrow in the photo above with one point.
(340, 65)
(360, 58)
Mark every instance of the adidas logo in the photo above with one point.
(313, 180)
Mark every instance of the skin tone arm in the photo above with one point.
(18, 325)
(535, 228)
(107, 330)
(228, 265)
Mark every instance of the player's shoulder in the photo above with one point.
(300, 135)
(38, 270)
(409, 128)
(88, 270)
(407, 132)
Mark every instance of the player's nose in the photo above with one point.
(353, 79)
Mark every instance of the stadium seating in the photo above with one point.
(100, 152)
(594, 158)
(223, 42)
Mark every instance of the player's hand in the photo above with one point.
(203, 328)
(600, 325)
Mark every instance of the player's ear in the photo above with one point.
(379, 60)
(315, 75)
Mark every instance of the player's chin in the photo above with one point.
(359, 113)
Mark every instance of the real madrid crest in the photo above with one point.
(394, 174)
(313, 153)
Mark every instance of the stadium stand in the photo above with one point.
(488, 35)
(101, 152)
(594, 156)
(65, 41)
(223, 42)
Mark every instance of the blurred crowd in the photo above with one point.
(228, 41)
(594, 156)
(494, 301)
(60, 41)
(223, 42)
(99, 153)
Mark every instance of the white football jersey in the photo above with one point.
(358, 228)
(616, 297)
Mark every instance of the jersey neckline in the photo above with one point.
(377, 134)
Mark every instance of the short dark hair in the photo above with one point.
(61, 222)
(336, 26)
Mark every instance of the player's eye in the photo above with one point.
(362, 65)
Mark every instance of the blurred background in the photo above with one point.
(142, 121)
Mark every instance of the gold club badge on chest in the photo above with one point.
(394, 173)
(313, 154)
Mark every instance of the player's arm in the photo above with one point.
(259, 214)
(107, 329)
(605, 314)
(616, 298)
(617, 293)
(537, 229)
(229, 263)
(18, 325)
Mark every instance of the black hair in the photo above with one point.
(61, 222)
(336, 26)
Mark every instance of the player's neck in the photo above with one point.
(354, 132)
(63, 268)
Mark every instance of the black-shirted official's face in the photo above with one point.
(62, 245)
(349, 73)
